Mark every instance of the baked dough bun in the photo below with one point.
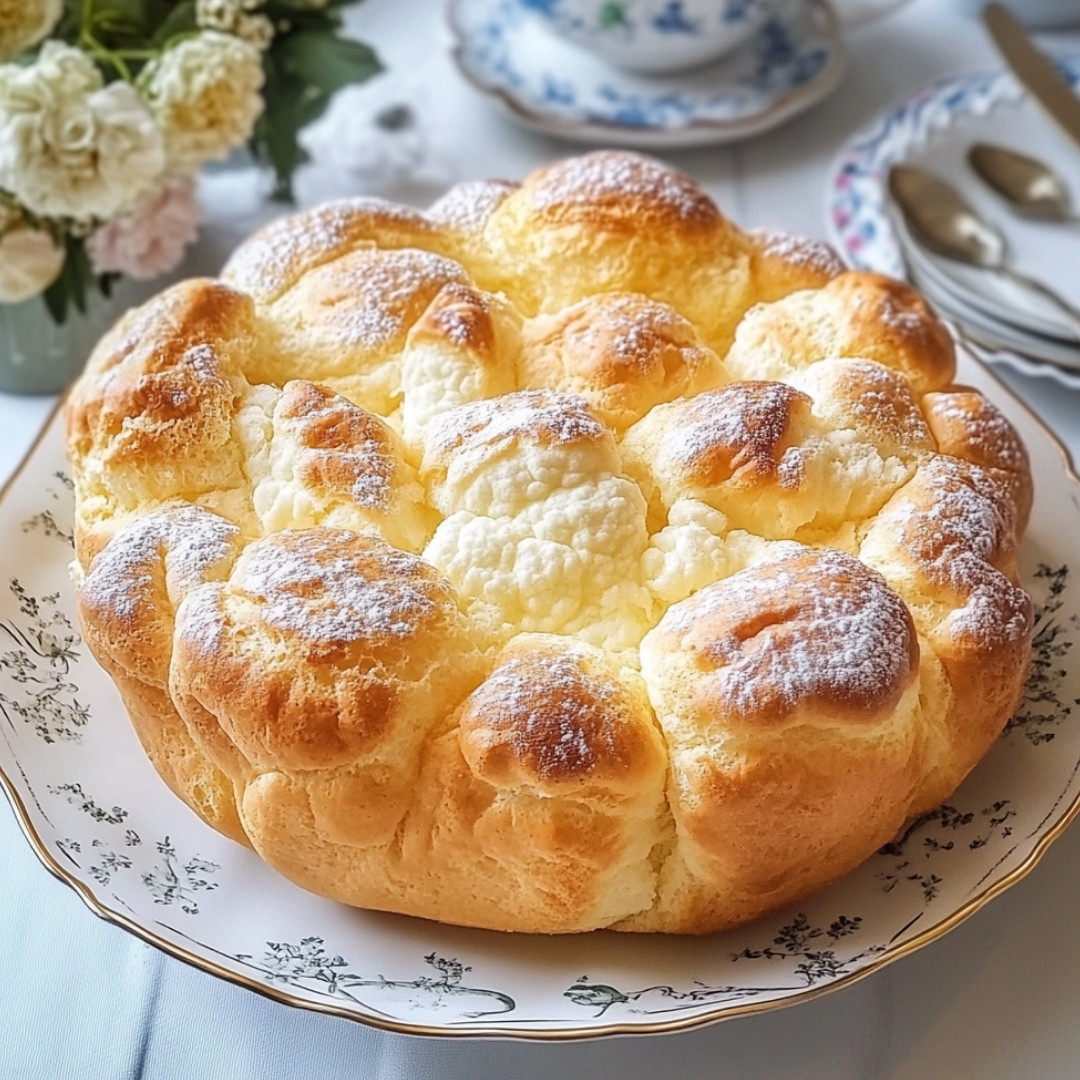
(560, 557)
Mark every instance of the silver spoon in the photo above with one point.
(939, 217)
(1032, 187)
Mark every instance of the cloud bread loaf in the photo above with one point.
(560, 557)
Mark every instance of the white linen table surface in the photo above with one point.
(996, 999)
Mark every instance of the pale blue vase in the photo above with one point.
(39, 356)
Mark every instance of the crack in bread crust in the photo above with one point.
(560, 557)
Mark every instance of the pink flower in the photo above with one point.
(150, 240)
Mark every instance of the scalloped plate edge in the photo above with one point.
(202, 963)
(693, 134)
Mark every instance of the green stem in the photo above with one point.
(114, 59)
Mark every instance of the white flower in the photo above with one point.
(150, 240)
(71, 146)
(25, 22)
(30, 260)
(382, 134)
(205, 94)
(234, 17)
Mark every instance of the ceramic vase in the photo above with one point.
(39, 355)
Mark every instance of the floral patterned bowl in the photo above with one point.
(793, 60)
(653, 35)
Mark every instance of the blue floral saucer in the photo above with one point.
(792, 61)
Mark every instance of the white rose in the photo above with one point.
(205, 95)
(71, 146)
(25, 22)
(30, 260)
(234, 17)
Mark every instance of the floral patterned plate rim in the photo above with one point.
(792, 61)
(100, 819)
(933, 127)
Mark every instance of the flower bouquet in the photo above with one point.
(109, 109)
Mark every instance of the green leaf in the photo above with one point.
(80, 270)
(55, 297)
(321, 59)
(70, 287)
(300, 13)
(275, 139)
(179, 19)
(303, 70)
(127, 13)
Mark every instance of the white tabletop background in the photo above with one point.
(998, 998)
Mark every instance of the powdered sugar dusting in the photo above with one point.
(954, 508)
(954, 523)
(200, 622)
(909, 320)
(266, 264)
(799, 251)
(379, 293)
(468, 206)
(633, 330)
(986, 434)
(529, 416)
(333, 586)
(993, 609)
(619, 178)
(183, 542)
(555, 715)
(462, 316)
(339, 445)
(741, 426)
(812, 625)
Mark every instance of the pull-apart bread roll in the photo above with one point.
(560, 557)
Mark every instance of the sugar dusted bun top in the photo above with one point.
(559, 557)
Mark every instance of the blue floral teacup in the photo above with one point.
(653, 35)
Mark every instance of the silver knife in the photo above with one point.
(1035, 70)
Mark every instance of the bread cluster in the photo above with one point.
(560, 557)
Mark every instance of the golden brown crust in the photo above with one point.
(559, 723)
(969, 426)
(737, 435)
(152, 416)
(808, 636)
(460, 314)
(622, 352)
(788, 697)
(782, 263)
(275, 258)
(561, 557)
(858, 315)
(611, 221)
(342, 448)
(126, 609)
(948, 541)
(613, 192)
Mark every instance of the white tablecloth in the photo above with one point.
(996, 999)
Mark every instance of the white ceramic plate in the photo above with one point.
(980, 325)
(934, 128)
(1044, 354)
(794, 60)
(994, 295)
(101, 820)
